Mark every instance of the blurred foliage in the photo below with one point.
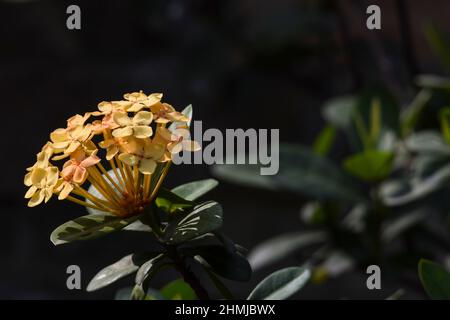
(385, 201)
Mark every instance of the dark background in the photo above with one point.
(241, 63)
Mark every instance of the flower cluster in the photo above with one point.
(136, 155)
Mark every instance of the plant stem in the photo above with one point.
(188, 276)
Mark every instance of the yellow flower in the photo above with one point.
(114, 145)
(109, 107)
(178, 140)
(77, 121)
(164, 113)
(135, 166)
(138, 126)
(67, 141)
(145, 156)
(99, 126)
(43, 181)
(140, 100)
(75, 172)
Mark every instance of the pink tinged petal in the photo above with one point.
(143, 118)
(142, 132)
(182, 132)
(122, 132)
(37, 198)
(190, 145)
(174, 147)
(80, 175)
(68, 172)
(147, 166)
(122, 119)
(90, 161)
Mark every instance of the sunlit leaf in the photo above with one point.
(89, 227)
(281, 284)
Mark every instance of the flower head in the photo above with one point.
(134, 164)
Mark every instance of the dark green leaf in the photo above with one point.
(89, 227)
(230, 265)
(281, 284)
(203, 218)
(435, 279)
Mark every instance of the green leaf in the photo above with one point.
(324, 141)
(281, 284)
(125, 266)
(394, 228)
(275, 249)
(444, 117)
(230, 265)
(204, 218)
(170, 202)
(178, 290)
(394, 194)
(301, 170)
(89, 227)
(146, 268)
(427, 142)
(435, 280)
(411, 115)
(193, 190)
(370, 165)
(244, 174)
(433, 82)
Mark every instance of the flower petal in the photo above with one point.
(190, 145)
(129, 159)
(147, 166)
(143, 118)
(122, 132)
(142, 132)
(37, 198)
(122, 119)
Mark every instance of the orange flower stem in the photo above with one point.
(147, 183)
(83, 203)
(116, 173)
(107, 175)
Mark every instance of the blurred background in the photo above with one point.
(240, 63)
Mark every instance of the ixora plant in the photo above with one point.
(124, 161)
